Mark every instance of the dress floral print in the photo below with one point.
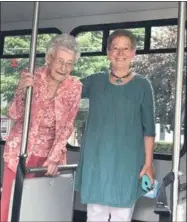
(51, 120)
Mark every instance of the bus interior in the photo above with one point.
(155, 24)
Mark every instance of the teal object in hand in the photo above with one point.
(146, 183)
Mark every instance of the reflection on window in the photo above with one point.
(140, 36)
(90, 41)
(164, 37)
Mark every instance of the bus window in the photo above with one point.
(90, 41)
(164, 37)
(18, 45)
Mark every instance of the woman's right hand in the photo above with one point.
(26, 80)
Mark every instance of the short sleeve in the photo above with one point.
(87, 82)
(148, 110)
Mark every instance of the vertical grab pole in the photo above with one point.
(20, 173)
(178, 105)
(31, 70)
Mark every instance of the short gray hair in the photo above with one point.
(119, 33)
(63, 41)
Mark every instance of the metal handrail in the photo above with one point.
(44, 169)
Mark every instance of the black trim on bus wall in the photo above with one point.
(138, 52)
(137, 24)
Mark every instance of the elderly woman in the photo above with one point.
(117, 148)
(55, 103)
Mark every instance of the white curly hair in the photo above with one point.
(65, 41)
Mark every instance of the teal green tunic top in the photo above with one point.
(112, 152)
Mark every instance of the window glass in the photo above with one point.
(160, 69)
(164, 37)
(90, 41)
(17, 45)
(42, 42)
(21, 44)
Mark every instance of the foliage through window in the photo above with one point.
(164, 37)
(21, 44)
(90, 41)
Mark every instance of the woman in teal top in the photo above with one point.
(118, 143)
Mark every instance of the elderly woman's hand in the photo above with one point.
(52, 169)
(25, 81)
(149, 171)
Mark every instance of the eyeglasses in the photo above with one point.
(59, 63)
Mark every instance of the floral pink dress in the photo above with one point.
(51, 122)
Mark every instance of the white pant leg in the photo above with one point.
(96, 212)
(121, 214)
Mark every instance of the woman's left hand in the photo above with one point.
(52, 169)
(149, 171)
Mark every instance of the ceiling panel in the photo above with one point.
(22, 11)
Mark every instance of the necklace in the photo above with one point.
(119, 80)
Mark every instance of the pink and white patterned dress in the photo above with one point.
(51, 122)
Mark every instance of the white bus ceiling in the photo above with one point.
(68, 15)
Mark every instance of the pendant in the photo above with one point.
(119, 81)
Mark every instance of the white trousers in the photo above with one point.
(96, 212)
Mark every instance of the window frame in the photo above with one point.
(147, 25)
